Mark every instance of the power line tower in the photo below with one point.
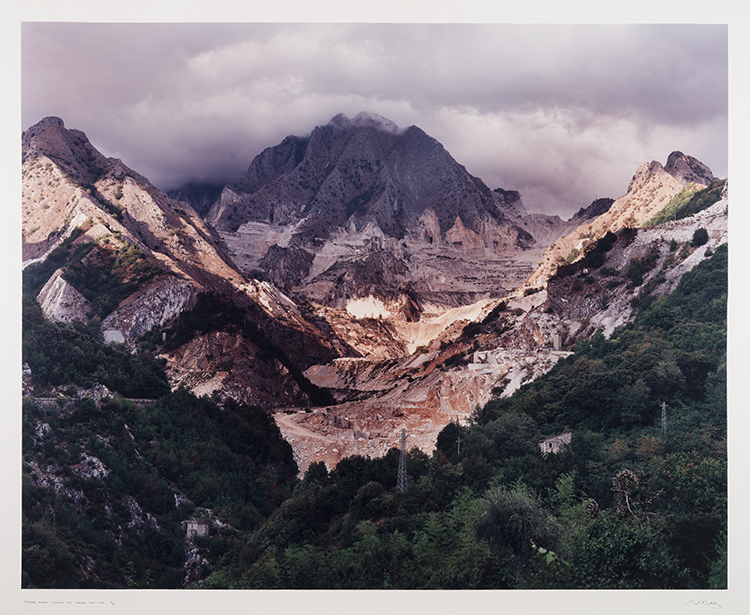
(664, 417)
(402, 464)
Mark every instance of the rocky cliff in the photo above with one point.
(150, 306)
(137, 259)
(361, 195)
(649, 191)
(359, 271)
(61, 302)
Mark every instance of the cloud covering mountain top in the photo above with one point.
(561, 113)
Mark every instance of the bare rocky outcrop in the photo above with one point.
(139, 519)
(688, 170)
(89, 467)
(61, 302)
(391, 277)
(360, 191)
(649, 191)
(596, 209)
(151, 306)
(228, 366)
(356, 172)
(286, 267)
(48, 477)
(68, 184)
(199, 195)
(196, 565)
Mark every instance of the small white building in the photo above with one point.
(554, 444)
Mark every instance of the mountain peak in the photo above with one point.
(68, 148)
(673, 157)
(365, 119)
(688, 169)
(351, 173)
(46, 122)
(39, 128)
(685, 169)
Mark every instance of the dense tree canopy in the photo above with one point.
(626, 505)
(630, 503)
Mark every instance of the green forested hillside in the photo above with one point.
(76, 355)
(163, 463)
(628, 504)
(108, 486)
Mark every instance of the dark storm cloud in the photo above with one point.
(561, 113)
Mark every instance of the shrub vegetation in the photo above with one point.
(628, 504)
(689, 202)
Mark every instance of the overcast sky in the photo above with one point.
(563, 114)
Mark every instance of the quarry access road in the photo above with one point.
(288, 426)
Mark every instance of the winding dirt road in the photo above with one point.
(289, 426)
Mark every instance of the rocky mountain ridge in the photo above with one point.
(311, 214)
(68, 184)
(152, 256)
(496, 353)
(649, 191)
(412, 310)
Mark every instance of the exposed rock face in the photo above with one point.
(61, 302)
(200, 196)
(381, 272)
(149, 307)
(68, 186)
(229, 366)
(649, 191)
(90, 467)
(596, 209)
(545, 229)
(68, 183)
(359, 193)
(687, 169)
(353, 173)
(47, 477)
(509, 201)
(288, 266)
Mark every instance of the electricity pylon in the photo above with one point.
(402, 464)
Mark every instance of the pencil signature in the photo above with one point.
(710, 603)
